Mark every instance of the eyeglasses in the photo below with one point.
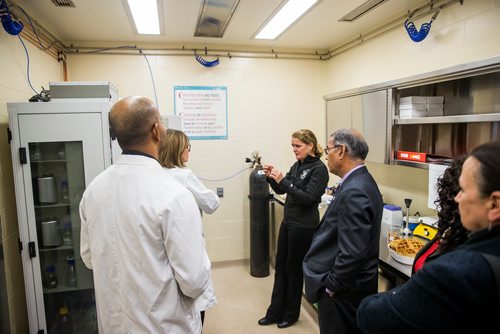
(327, 149)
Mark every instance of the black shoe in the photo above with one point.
(285, 324)
(264, 322)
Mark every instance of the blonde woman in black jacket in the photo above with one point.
(303, 185)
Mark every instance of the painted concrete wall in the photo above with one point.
(267, 101)
(14, 87)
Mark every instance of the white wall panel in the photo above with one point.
(267, 101)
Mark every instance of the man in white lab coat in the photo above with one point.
(141, 234)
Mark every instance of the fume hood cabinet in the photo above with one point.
(58, 147)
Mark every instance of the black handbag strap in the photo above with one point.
(494, 262)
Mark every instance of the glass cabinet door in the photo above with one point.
(56, 174)
(58, 183)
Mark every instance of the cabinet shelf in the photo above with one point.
(422, 165)
(449, 119)
(63, 288)
(48, 161)
(59, 248)
(84, 278)
(55, 205)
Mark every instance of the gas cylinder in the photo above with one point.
(259, 222)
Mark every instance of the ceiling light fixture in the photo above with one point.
(282, 18)
(145, 16)
(361, 10)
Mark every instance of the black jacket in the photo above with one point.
(304, 185)
(343, 256)
(455, 293)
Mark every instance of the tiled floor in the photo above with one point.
(243, 299)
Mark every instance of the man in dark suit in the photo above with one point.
(341, 266)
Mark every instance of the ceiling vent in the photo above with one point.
(214, 17)
(63, 3)
(361, 10)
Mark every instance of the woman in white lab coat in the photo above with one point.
(173, 155)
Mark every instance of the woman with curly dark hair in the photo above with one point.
(450, 233)
(456, 292)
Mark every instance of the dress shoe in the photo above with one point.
(285, 324)
(264, 322)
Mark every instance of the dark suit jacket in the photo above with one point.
(343, 256)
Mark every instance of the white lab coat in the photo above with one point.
(206, 198)
(208, 202)
(141, 234)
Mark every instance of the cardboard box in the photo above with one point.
(411, 156)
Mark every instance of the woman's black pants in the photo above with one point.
(293, 244)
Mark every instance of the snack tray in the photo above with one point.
(408, 260)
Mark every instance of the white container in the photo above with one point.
(392, 215)
(392, 219)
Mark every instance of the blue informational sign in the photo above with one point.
(203, 111)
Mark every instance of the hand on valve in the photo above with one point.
(277, 175)
(273, 173)
(268, 169)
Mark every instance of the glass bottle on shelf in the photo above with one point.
(70, 272)
(51, 279)
(67, 236)
(61, 153)
(36, 154)
(65, 323)
(64, 192)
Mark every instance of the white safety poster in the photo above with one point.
(435, 172)
(203, 111)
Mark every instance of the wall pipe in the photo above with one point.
(56, 46)
(185, 51)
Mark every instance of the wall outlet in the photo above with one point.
(220, 192)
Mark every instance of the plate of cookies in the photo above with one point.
(404, 250)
